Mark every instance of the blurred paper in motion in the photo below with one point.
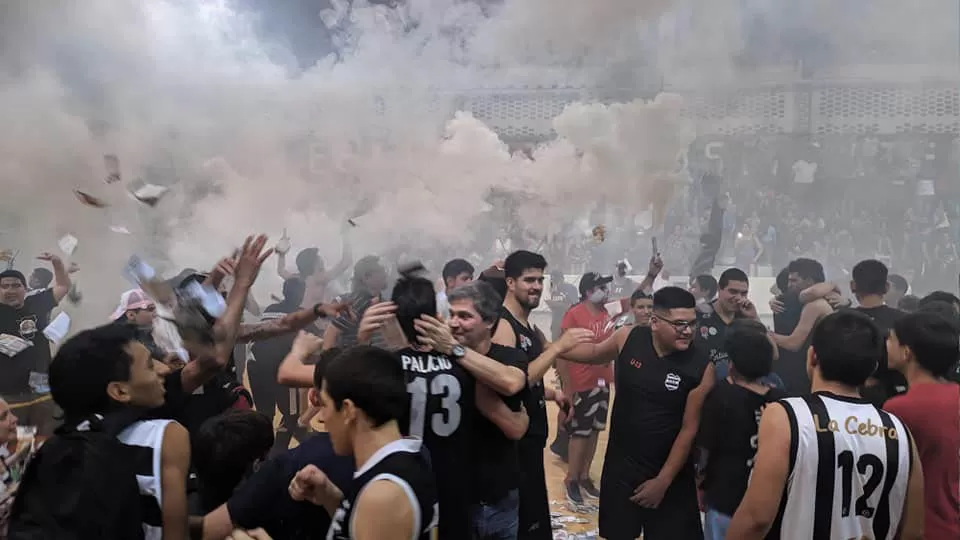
(112, 164)
(149, 194)
(12, 345)
(58, 328)
(90, 200)
(68, 243)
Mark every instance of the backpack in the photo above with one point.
(80, 485)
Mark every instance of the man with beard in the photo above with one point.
(23, 372)
(523, 271)
(662, 379)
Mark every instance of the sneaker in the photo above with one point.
(573, 493)
(586, 484)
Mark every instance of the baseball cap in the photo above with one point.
(131, 300)
(591, 280)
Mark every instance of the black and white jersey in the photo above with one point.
(849, 470)
(144, 446)
(442, 411)
(404, 463)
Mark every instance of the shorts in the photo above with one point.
(589, 414)
(534, 503)
(676, 518)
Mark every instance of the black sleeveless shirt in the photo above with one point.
(528, 341)
(405, 463)
(651, 397)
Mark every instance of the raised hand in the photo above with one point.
(250, 259)
(573, 337)
(435, 334)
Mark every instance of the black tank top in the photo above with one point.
(442, 411)
(528, 341)
(405, 463)
(651, 397)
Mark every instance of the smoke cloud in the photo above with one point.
(193, 96)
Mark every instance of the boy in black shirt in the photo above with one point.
(728, 427)
(870, 285)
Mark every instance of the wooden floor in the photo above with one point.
(556, 470)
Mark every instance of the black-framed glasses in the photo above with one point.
(680, 326)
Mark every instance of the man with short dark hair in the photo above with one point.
(731, 415)
(662, 380)
(732, 303)
(807, 481)
(363, 399)
(870, 286)
(523, 271)
(791, 367)
(23, 369)
(925, 347)
(455, 273)
(106, 370)
(704, 288)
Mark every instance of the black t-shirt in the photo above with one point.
(792, 365)
(712, 332)
(263, 500)
(529, 342)
(497, 466)
(891, 382)
(728, 432)
(26, 323)
(442, 411)
(651, 397)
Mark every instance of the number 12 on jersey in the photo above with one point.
(445, 412)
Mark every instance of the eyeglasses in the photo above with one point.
(680, 326)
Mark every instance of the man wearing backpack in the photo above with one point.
(113, 471)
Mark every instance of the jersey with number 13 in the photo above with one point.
(849, 469)
(442, 406)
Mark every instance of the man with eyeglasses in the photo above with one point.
(662, 380)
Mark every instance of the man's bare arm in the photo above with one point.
(758, 510)
(61, 279)
(811, 313)
(277, 327)
(912, 526)
(174, 468)
(384, 512)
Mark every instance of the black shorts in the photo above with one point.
(589, 414)
(534, 503)
(677, 517)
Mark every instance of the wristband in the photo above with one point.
(319, 313)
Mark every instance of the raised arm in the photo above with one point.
(599, 353)
(294, 370)
(61, 278)
(291, 322)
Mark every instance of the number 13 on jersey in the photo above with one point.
(440, 399)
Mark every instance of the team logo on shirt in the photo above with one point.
(525, 343)
(672, 382)
(28, 327)
(636, 363)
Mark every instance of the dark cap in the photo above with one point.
(592, 280)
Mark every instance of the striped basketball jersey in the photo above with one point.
(405, 463)
(849, 470)
(144, 441)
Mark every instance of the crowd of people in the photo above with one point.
(422, 411)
